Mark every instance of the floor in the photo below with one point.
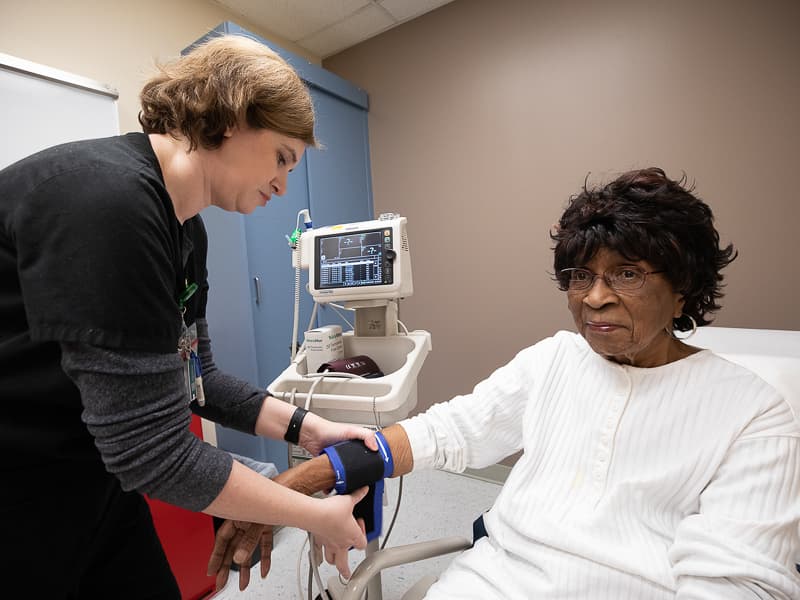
(434, 504)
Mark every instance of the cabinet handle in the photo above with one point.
(257, 281)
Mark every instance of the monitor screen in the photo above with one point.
(346, 260)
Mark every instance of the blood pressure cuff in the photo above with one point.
(357, 365)
(355, 466)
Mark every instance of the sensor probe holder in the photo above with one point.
(355, 466)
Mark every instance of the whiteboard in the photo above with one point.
(41, 107)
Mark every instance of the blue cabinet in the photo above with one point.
(250, 307)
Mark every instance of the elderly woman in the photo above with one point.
(103, 336)
(650, 468)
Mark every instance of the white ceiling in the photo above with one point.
(325, 27)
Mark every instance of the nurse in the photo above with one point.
(104, 347)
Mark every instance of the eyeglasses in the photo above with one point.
(625, 278)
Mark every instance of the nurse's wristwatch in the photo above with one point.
(292, 434)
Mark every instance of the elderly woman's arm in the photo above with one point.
(745, 539)
(316, 475)
(474, 430)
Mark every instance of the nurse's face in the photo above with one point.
(250, 166)
(629, 327)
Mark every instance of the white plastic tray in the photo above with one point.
(379, 401)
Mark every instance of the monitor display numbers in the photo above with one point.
(355, 259)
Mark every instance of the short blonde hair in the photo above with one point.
(229, 81)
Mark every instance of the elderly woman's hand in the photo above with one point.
(237, 540)
(235, 543)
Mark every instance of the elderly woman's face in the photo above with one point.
(629, 327)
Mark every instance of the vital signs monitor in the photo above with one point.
(368, 260)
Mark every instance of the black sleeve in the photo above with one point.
(97, 260)
(229, 401)
(136, 407)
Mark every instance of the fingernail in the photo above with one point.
(239, 557)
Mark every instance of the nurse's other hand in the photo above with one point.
(334, 523)
(317, 433)
(335, 555)
(235, 542)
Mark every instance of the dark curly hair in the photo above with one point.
(644, 215)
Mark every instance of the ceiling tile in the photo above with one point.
(295, 19)
(403, 10)
(367, 22)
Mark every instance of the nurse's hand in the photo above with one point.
(333, 521)
(335, 555)
(317, 433)
(235, 542)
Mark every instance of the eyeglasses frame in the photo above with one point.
(605, 279)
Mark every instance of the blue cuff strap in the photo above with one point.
(386, 454)
(338, 470)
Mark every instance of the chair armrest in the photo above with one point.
(399, 555)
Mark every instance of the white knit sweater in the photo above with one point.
(679, 481)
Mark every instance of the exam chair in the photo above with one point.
(373, 564)
(401, 555)
(773, 355)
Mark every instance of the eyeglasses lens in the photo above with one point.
(620, 278)
(626, 278)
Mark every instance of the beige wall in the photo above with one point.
(114, 42)
(486, 116)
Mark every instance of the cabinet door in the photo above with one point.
(230, 314)
(251, 299)
(229, 310)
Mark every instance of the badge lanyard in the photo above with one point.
(187, 349)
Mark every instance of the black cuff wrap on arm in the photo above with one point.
(355, 466)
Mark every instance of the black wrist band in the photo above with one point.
(292, 434)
